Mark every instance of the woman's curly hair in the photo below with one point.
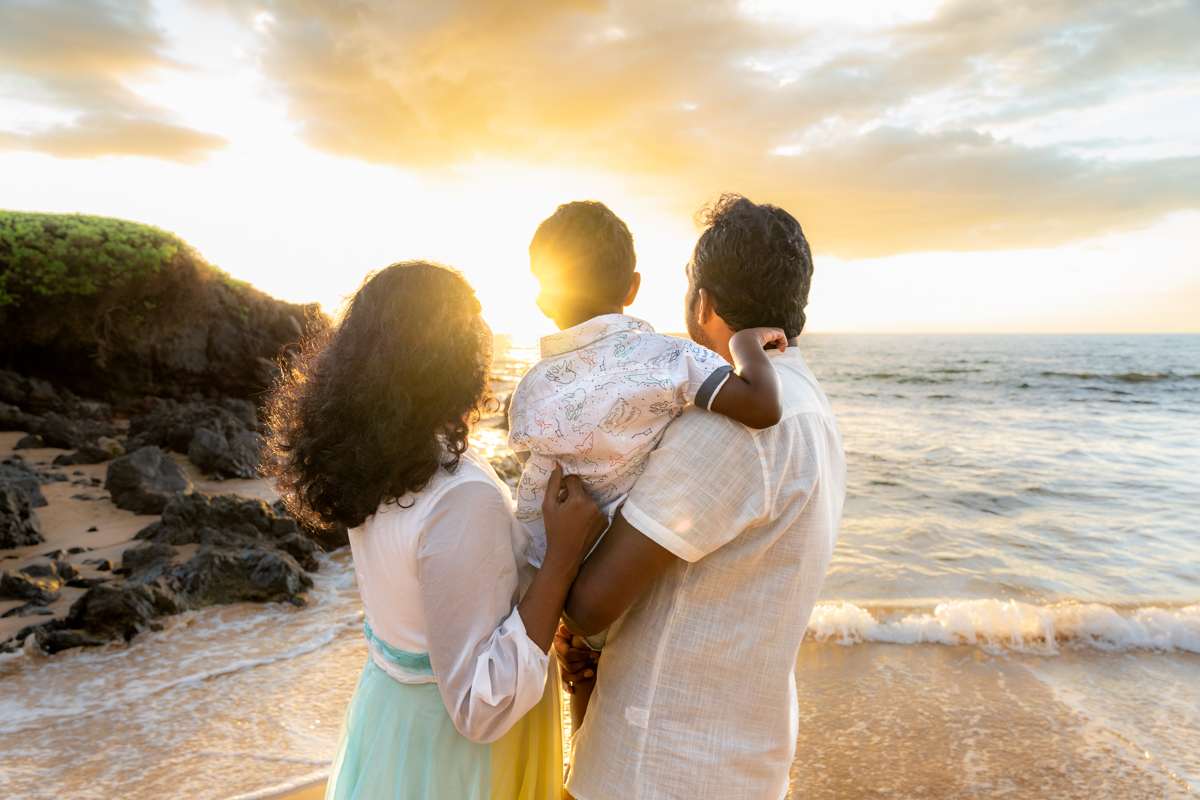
(371, 409)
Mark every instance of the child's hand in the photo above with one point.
(577, 663)
(763, 337)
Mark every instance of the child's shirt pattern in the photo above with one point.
(598, 402)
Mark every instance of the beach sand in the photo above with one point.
(886, 720)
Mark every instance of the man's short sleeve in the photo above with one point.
(702, 486)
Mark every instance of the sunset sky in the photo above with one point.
(967, 165)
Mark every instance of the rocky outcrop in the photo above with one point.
(249, 551)
(133, 311)
(145, 480)
(19, 526)
(15, 472)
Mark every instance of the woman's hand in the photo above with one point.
(573, 525)
(574, 522)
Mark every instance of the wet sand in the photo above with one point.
(932, 721)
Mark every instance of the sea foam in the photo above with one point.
(1011, 625)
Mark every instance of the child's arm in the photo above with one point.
(752, 395)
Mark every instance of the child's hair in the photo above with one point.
(589, 248)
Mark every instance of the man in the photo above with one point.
(710, 571)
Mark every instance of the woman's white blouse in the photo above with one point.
(443, 576)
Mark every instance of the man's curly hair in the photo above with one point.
(754, 260)
(375, 406)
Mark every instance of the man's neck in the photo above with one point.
(579, 316)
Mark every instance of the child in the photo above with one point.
(607, 385)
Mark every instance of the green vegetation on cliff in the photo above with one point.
(76, 254)
(113, 309)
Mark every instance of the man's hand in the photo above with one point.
(577, 663)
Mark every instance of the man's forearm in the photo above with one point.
(617, 572)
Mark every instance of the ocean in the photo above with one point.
(1013, 606)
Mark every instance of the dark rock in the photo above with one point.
(215, 576)
(29, 610)
(66, 570)
(148, 561)
(55, 641)
(14, 471)
(30, 442)
(19, 586)
(244, 410)
(328, 539)
(242, 458)
(19, 526)
(144, 481)
(92, 529)
(55, 555)
(153, 530)
(33, 394)
(300, 548)
(88, 454)
(122, 609)
(41, 570)
(174, 425)
(75, 550)
(14, 419)
(59, 431)
(103, 565)
(86, 583)
(219, 511)
(48, 625)
(73, 407)
(207, 447)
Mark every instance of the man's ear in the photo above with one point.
(634, 285)
(705, 309)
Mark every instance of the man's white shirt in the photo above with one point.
(697, 695)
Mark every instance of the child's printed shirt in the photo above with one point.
(598, 402)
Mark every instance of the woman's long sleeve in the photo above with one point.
(489, 672)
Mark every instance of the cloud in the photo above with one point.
(877, 140)
(74, 56)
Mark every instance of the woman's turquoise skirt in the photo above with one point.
(399, 743)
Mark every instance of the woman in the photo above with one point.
(370, 430)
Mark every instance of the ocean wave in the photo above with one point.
(1124, 377)
(292, 785)
(1010, 625)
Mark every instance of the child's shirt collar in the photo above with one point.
(593, 330)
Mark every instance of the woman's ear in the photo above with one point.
(634, 285)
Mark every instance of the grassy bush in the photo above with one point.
(75, 254)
